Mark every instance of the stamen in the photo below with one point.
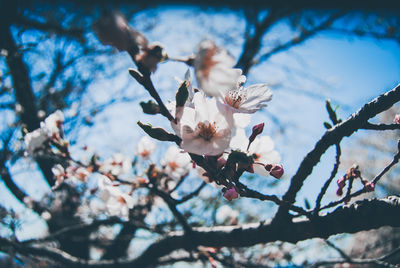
(235, 98)
(207, 130)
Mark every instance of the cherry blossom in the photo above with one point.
(34, 140)
(145, 147)
(72, 173)
(214, 69)
(262, 149)
(176, 163)
(50, 128)
(52, 124)
(246, 100)
(206, 128)
(116, 165)
(117, 202)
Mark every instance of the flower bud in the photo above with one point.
(231, 193)
(369, 186)
(275, 171)
(341, 182)
(158, 133)
(257, 130)
(150, 107)
(339, 191)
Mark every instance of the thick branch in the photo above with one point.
(23, 89)
(360, 216)
(333, 136)
(53, 27)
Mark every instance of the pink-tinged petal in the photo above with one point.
(239, 140)
(396, 119)
(241, 120)
(257, 97)
(231, 194)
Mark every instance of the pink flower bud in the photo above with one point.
(276, 171)
(369, 186)
(396, 119)
(341, 182)
(257, 130)
(339, 191)
(231, 193)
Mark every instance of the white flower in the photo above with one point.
(145, 147)
(34, 140)
(78, 174)
(116, 165)
(263, 150)
(241, 120)
(176, 163)
(206, 128)
(247, 100)
(214, 69)
(239, 140)
(52, 124)
(117, 202)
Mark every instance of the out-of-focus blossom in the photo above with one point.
(231, 193)
(50, 128)
(214, 69)
(396, 119)
(35, 140)
(117, 202)
(72, 173)
(59, 173)
(206, 128)
(113, 29)
(116, 165)
(145, 147)
(176, 163)
(53, 123)
(151, 56)
(226, 215)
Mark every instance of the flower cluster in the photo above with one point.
(49, 133)
(210, 121)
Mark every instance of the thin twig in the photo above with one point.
(328, 182)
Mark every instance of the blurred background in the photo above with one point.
(306, 53)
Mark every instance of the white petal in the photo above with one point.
(257, 96)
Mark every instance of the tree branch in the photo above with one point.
(305, 34)
(359, 216)
(333, 136)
